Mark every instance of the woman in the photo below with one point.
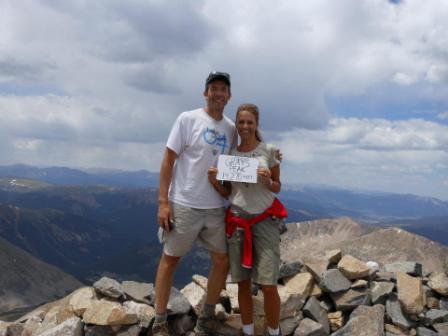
(250, 220)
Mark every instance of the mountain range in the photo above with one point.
(86, 224)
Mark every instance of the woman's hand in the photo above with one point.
(264, 175)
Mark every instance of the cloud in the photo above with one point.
(95, 83)
(397, 156)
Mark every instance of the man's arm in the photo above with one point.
(166, 173)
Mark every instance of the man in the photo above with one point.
(190, 209)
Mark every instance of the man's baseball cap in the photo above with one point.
(217, 75)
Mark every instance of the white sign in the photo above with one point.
(237, 169)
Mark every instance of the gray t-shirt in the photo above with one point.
(254, 198)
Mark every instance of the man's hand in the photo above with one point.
(212, 173)
(164, 216)
(278, 155)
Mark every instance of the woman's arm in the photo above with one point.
(224, 189)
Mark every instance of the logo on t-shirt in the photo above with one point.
(214, 138)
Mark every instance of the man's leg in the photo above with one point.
(164, 281)
(217, 276)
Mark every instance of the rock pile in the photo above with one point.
(337, 295)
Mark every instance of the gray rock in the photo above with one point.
(308, 327)
(317, 268)
(138, 291)
(178, 303)
(422, 331)
(384, 276)
(380, 291)
(364, 320)
(349, 300)
(70, 327)
(409, 267)
(334, 281)
(326, 303)
(289, 269)
(442, 328)
(314, 310)
(288, 325)
(433, 316)
(443, 303)
(395, 313)
(109, 287)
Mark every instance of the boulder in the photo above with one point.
(195, 295)
(380, 291)
(139, 291)
(409, 267)
(349, 300)
(396, 315)
(96, 330)
(353, 268)
(144, 312)
(291, 303)
(434, 316)
(432, 303)
(308, 327)
(443, 303)
(31, 325)
(301, 283)
(317, 268)
(81, 299)
(314, 310)
(71, 327)
(289, 324)
(109, 287)
(200, 280)
(366, 321)
(56, 316)
(336, 320)
(333, 256)
(105, 312)
(439, 283)
(410, 293)
(422, 331)
(333, 281)
(177, 303)
(442, 328)
(289, 269)
(359, 284)
(232, 292)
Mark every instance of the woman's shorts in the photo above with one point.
(266, 253)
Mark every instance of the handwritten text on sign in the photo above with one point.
(237, 169)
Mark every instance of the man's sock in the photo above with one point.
(209, 310)
(273, 332)
(159, 318)
(249, 329)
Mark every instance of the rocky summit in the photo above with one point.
(327, 304)
(334, 293)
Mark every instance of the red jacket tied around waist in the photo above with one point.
(277, 209)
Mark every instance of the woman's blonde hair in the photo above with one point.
(252, 108)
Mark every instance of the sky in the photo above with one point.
(354, 92)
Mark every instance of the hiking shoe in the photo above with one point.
(160, 329)
(211, 326)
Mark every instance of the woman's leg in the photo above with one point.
(245, 301)
(271, 305)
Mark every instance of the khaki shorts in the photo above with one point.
(265, 254)
(206, 226)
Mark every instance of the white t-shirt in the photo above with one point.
(254, 198)
(198, 140)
